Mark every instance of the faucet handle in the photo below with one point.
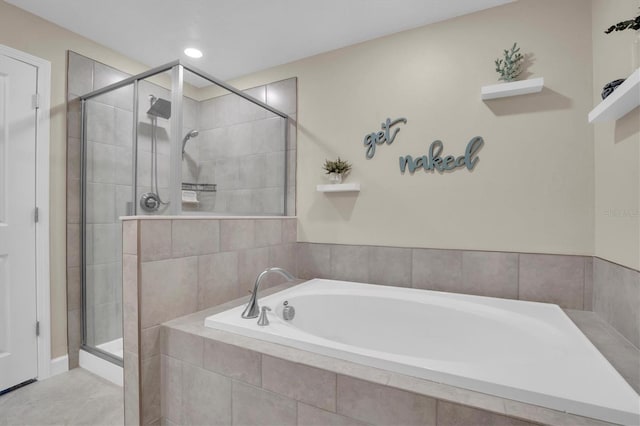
(263, 320)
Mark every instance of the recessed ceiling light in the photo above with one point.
(192, 52)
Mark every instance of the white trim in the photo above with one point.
(59, 365)
(42, 201)
(101, 367)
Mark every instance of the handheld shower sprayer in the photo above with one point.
(192, 134)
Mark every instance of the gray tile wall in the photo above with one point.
(109, 189)
(559, 279)
(220, 384)
(184, 266)
(241, 148)
(180, 266)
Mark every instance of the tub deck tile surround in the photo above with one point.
(174, 266)
(425, 402)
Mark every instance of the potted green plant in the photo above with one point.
(511, 66)
(336, 169)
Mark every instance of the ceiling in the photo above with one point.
(239, 37)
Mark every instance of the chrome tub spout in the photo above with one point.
(253, 310)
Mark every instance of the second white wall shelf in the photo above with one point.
(339, 187)
(514, 88)
(624, 99)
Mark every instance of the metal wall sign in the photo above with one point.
(382, 136)
(429, 162)
(435, 161)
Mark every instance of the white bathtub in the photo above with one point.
(525, 351)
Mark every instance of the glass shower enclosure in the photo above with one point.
(171, 141)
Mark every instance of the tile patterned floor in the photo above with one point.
(76, 397)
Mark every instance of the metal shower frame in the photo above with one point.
(177, 68)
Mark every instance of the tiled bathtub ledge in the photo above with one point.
(621, 353)
(186, 339)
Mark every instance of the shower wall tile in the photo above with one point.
(73, 159)
(101, 122)
(104, 76)
(552, 279)
(74, 112)
(107, 322)
(74, 290)
(73, 245)
(106, 243)
(80, 74)
(282, 95)
(123, 128)
(73, 200)
(124, 201)
(101, 203)
(74, 335)
(102, 279)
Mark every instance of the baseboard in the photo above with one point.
(59, 365)
(101, 367)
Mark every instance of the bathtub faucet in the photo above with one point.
(252, 310)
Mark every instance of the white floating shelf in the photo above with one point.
(513, 88)
(339, 187)
(618, 104)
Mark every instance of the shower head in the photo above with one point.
(159, 107)
(191, 134)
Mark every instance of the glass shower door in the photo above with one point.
(107, 195)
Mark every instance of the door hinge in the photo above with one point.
(35, 101)
(37, 328)
(36, 215)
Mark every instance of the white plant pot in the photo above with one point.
(335, 177)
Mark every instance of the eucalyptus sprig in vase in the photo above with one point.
(336, 169)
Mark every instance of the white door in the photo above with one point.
(18, 340)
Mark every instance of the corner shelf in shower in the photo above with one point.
(339, 187)
(514, 88)
(622, 101)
